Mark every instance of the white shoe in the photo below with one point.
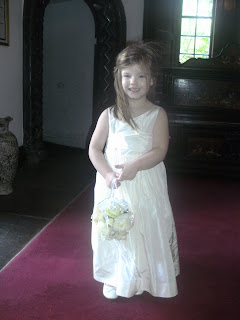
(109, 292)
(139, 292)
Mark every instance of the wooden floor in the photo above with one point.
(39, 194)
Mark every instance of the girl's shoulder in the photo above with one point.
(161, 112)
(107, 115)
(158, 108)
(159, 115)
(161, 118)
(106, 112)
(112, 113)
(103, 118)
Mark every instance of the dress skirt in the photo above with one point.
(148, 259)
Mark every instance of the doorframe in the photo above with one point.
(110, 34)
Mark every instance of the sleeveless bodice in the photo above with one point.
(126, 140)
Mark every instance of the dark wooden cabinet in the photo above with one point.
(201, 96)
(202, 99)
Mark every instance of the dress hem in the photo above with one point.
(125, 295)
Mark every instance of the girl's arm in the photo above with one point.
(96, 147)
(155, 155)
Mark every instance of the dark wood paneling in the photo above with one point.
(161, 20)
(203, 105)
(201, 97)
(209, 93)
(227, 25)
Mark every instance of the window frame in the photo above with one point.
(179, 24)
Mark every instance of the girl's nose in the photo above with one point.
(133, 80)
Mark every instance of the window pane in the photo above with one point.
(204, 27)
(188, 26)
(184, 57)
(202, 45)
(187, 45)
(189, 8)
(201, 56)
(205, 8)
(196, 27)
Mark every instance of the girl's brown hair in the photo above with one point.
(145, 54)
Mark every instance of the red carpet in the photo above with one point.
(51, 279)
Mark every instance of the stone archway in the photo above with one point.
(110, 33)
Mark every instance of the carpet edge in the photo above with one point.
(51, 221)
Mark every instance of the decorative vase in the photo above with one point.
(8, 156)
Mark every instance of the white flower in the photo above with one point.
(103, 230)
(112, 219)
(122, 223)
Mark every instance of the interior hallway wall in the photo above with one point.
(11, 87)
(134, 18)
(68, 66)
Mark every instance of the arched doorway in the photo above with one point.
(110, 32)
(68, 69)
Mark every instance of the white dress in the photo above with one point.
(152, 241)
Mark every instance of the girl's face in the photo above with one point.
(136, 82)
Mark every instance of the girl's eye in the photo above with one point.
(126, 75)
(142, 76)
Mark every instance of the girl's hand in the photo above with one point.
(128, 172)
(109, 178)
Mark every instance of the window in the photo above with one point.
(196, 29)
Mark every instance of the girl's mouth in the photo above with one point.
(134, 89)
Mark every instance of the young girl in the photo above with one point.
(129, 144)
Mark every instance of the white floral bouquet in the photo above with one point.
(113, 219)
